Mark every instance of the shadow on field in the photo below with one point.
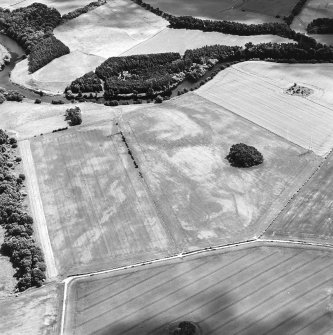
(218, 315)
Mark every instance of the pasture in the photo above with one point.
(34, 312)
(110, 29)
(180, 147)
(247, 11)
(97, 209)
(179, 40)
(261, 99)
(309, 216)
(54, 77)
(258, 290)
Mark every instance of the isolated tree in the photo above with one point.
(242, 155)
(73, 115)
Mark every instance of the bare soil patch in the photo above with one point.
(263, 290)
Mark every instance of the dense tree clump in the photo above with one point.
(149, 74)
(82, 10)
(10, 95)
(45, 51)
(87, 83)
(320, 26)
(32, 27)
(73, 115)
(18, 243)
(244, 156)
(28, 25)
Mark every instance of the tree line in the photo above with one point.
(32, 27)
(19, 244)
(320, 26)
(82, 10)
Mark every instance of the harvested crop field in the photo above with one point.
(98, 211)
(259, 290)
(179, 40)
(304, 121)
(34, 312)
(110, 29)
(308, 217)
(180, 147)
(54, 77)
(247, 11)
(63, 6)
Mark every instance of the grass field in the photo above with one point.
(57, 75)
(110, 29)
(248, 11)
(179, 40)
(256, 291)
(34, 312)
(261, 99)
(309, 216)
(97, 210)
(63, 6)
(181, 147)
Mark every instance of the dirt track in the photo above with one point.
(37, 208)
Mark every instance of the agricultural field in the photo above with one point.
(35, 312)
(179, 40)
(181, 147)
(110, 29)
(259, 290)
(27, 119)
(250, 11)
(95, 201)
(309, 216)
(57, 75)
(307, 122)
(63, 6)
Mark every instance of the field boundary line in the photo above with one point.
(257, 242)
(299, 190)
(37, 209)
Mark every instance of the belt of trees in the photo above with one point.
(18, 243)
(234, 28)
(32, 27)
(79, 11)
(320, 26)
(295, 11)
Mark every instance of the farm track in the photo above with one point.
(259, 242)
(37, 208)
